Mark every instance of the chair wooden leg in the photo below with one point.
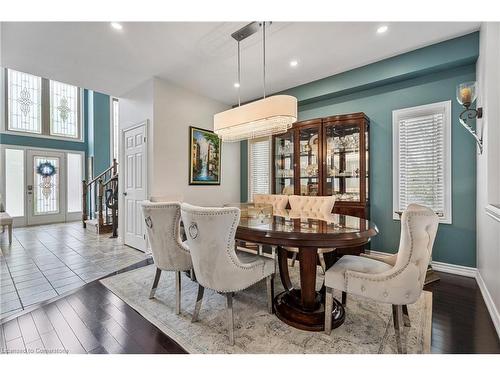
(344, 298)
(230, 317)
(10, 234)
(406, 316)
(155, 283)
(328, 310)
(178, 292)
(397, 315)
(294, 258)
(197, 306)
(270, 293)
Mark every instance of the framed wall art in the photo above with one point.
(204, 157)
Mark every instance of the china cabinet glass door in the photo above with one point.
(343, 161)
(284, 164)
(309, 151)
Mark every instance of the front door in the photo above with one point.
(45, 192)
(135, 191)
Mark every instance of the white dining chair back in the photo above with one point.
(278, 201)
(400, 283)
(162, 221)
(311, 206)
(211, 238)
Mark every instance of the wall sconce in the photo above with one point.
(466, 95)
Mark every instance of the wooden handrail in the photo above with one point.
(112, 167)
(112, 178)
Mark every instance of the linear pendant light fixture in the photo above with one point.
(264, 117)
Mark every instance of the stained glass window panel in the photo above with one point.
(24, 102)
(63, 110)
(46, 188)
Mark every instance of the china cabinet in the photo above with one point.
(326, 156)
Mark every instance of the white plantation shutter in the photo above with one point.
(259, 159)
(422, 158)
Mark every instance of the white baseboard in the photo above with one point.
(454, 269)
(495, 315)
(468, 272)
(443, 267)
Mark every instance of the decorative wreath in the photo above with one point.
(46, 169)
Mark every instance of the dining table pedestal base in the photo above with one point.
(289, 310)
(302, 305)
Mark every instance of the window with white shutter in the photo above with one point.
(259, 166)
(422, 158)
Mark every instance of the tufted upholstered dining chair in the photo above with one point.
(398, 284)
(279, 203)
(311, 207)
(169, 252)
(210, 235)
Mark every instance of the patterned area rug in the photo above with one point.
(368, 326)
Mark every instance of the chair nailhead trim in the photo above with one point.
(397, 273)
(175, 228)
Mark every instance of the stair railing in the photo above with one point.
(93, 200)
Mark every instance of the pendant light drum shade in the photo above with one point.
(264, 117)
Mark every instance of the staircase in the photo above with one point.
(99, 202)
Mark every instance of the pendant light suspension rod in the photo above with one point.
(239, 74)
(258, 118)
(264, 57)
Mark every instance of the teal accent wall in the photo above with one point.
(102, 132)
(19, 140)
(456, 242)
(99, 130)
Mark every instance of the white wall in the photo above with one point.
(175, 109)
(488, 170)
(170, 110)
(135, 107)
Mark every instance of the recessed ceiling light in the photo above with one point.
(236, 85)
(294, 63)
(116, 25)
(382, 29)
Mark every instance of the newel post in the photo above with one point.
(100, 194)
(84, 203)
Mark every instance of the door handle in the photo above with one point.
(124, 193)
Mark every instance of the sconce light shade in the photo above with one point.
(466, 93)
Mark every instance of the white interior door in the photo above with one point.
(45, 187)
(135, 185)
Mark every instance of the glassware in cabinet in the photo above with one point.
(284, 163)
(309, 159)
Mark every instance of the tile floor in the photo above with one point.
(49, 260)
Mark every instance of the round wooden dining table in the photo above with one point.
(303, 306)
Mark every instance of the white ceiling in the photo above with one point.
(202, 56)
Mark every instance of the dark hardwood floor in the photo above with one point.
(91, 320)
(461, 322)
(94, 320)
